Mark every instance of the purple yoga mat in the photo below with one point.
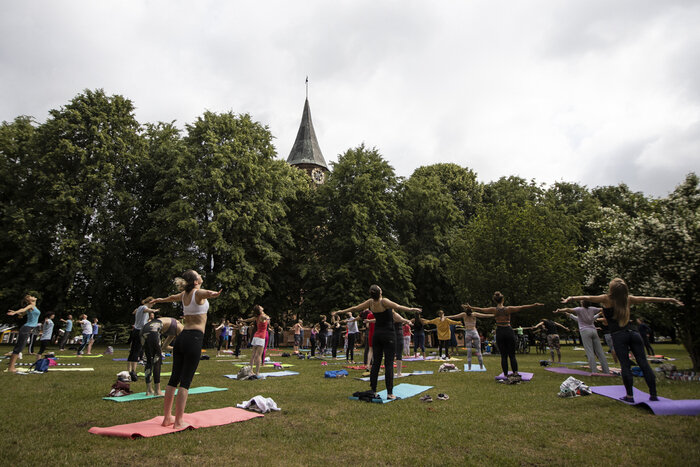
(661, 407)
(523, 374)
(573, 371)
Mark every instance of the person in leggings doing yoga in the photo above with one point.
(150, 342)
(383, 340)
(471, 335)
(29, 308)
(418, 335)
(616, 309)
(505, 337)
(187, 348)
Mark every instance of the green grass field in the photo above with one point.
(46, 420)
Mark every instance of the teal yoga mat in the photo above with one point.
(474, 368)
(139, 396)
(402, 391)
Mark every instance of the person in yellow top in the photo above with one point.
(443, 331)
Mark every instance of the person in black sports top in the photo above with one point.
(616, 309)
(383, 343)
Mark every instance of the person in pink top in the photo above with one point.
(258, 342)
(407, 333)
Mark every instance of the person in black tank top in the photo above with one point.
(505, 337)
(383, 344)
(616, 309)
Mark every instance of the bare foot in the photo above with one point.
(149, 393)
(391, 397)
(159, 393)
(168, 420)
(180, 426)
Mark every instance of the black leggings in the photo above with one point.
(312, 343)
(335, 342)
(222, 339)
(419, 341)
(187, 351)
(350, 354)
(135, 349)
(367, 347)
(44, 344)
(154, 356)
(443, 345)
(505, 340)
(383, 344)
(624, 342)
(239, 339)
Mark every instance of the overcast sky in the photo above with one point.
(594, 91)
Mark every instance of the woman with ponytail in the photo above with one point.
(384, 311)
(187, 348)
(616, 309)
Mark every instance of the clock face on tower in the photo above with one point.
(318, 176)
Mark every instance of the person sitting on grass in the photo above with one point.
(616, 309)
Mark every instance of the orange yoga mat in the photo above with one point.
(152, 427)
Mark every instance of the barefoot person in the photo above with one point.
(258, 342)
(383, 344)
(505, 337)
(616, 309)
(150, 341)
(471, 335)
(29, 308)
(187, 348)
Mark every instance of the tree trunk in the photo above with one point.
(692, 345)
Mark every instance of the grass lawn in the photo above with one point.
(46, 420)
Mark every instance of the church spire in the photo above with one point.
(306, 151)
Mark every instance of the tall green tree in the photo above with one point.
(657, 252)
(356, 240)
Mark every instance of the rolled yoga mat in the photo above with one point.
(139, 396)
(661, 407)
(152, 427)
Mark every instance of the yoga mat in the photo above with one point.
(284, 365)
(523, 374)
(272, 373)
(79, 356)
(402, 391)
(474, 368)
(413, 359)
(403, 375)
(661, 407)
(139, 396)
(442, 360)
(167, 373)
(52, 369)
(120, 359)
(152, 427)
(573, 371)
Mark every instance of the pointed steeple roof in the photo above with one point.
(306, 149)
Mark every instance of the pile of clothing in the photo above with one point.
(572, 387)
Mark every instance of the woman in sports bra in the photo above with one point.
(616, 309)
(505, 337)
(187, 348)
(471, 335)
(384, 335)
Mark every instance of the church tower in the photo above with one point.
(306, 153)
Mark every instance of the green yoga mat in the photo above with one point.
(59, 356)
(139, 396)
(167, 373)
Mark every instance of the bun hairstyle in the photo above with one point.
(375, 292)
(187, 282)
(619, 294)
(497, 298)
(146, 300)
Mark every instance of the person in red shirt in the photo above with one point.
(369, 335)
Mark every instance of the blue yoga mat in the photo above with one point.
(474, 368)
(402, 391)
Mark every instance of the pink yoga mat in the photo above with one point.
(661, 407)
(152, 427)
(523, 374)
(573, 371)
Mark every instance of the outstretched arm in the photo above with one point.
(489, 310)
(566, 310)
(400, 319)
(204, 293)
(561, 326)
(386, 303)
(171, 298)
(457, 316)
(673, 301)
(21, 311)
(574, 317)
(362, 306)
(514, 309)
(588, 298)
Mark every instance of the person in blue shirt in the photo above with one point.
(29, 308)
(66, 332)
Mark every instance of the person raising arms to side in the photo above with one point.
(471, 335)
(616, 310)
(383, 344)
(505, 337)
(187, 348)
(29, 308)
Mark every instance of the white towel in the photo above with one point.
(259, 404)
